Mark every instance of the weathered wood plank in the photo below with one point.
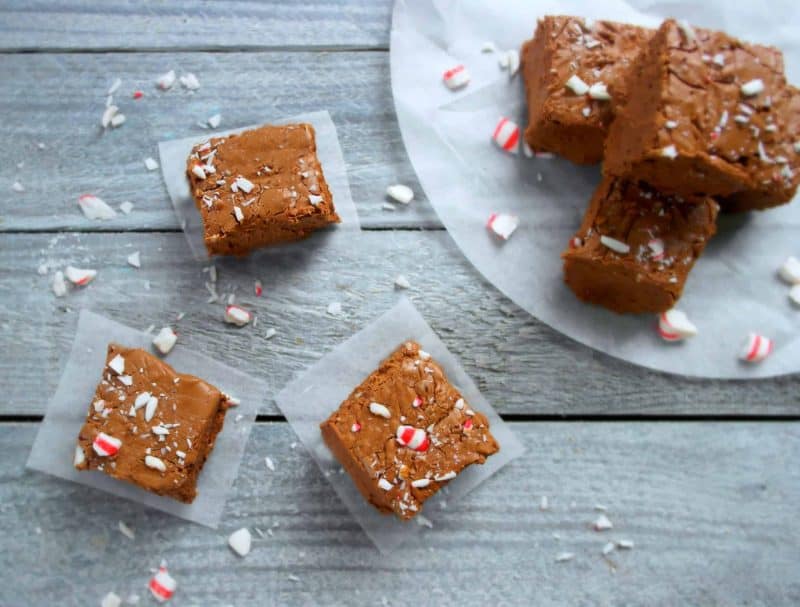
(241, 24)
(58, 100)
(522, 366)
(710, 506)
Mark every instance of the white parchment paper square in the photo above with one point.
(733, 288)
(54, 447)
(175, 153)
(309, 399)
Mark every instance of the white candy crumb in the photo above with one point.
(544, 503)
(238, 214)
(609, 548)
(240, 541)
(388, 207)
(126, 531)
(562, 557)
(687, 31)
(576, 85)
(111, 600)
(270, 333)
(117, 364)
(790, 271)
(670, 124)
(385, 485)
(602, 523)
(315, 200)
(334, 308)
(59, 285)
(270, 464)
(401, 282)
(719, 59)
(135, 260)
(114, 86)
(117, 120)
(379, 410)
(424, 521)
(17, 187)
(599, 91)
(95, 208)
(108, 115)
(79, 457)
(753, 87)
(165, 340)
(586, 111)
(794, 295)
(512, 62)
(150, 164)
(126, 207)
(669, 151)
(214, 121)
(503, 224)
(155, 463)
(400, 193)
(165, 81)
(237, 316)
(625, 544)
(244, 184)
(190, 82)
(150, 408)
(615, 245)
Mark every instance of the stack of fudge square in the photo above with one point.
(687, 122)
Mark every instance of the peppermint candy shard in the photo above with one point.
(155, 463)
(447, 476)
(421, 483)
(790, 271)
(503, 224)
(162, 585)
(79, 457)
(95, 208)
(165, 340)
(413, 438)
(236, 315)
(400, 193)
(240, 541)
(385, 485)
(755, 348)
(165, 81)
(674, 325)
(106, 445)
(576, 85)
(506, 135)
(79, 276)
(615, 245)
(379, 410)
(456, 77)
(117, 364)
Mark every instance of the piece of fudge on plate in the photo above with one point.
(260, 187)
(707, 114)
(149, 425)
(636, 246)
(569, 67)
(405, 432)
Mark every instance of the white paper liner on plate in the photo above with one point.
(310, 399)
(54, 448)
(175, 153)
(733, 289)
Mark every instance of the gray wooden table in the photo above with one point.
(701, 475)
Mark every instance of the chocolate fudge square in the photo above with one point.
(636, 247)
(149, 425)
(565, 55)
(705, 113)
(405, 432)
(260, 187)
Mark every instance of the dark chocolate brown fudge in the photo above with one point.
(405, 432)
(708, 114)
(260, 187)
(149, 425)
(636, 246)
(569, 67)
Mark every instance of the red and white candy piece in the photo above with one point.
(468, 424)
(356, 427)
(413, 438)
(503, 224)
(237, 316)
(674, 325)
(165, 340)
(162, 585)
(79, 276)
(417, 402)
(506, 135)
(165, 81)
(456, 77)
(259, 288)
(106, 445)
(656, 246)
(95, 208)
(755, 348)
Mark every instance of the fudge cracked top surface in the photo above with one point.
(174, 429)
(412, 389)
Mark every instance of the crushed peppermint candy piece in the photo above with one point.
(674, 325)
(155, 463)
(413, 438)
(670, 152)
(108, 115)
(576, 85)
(544, 503)
(334, 308)
(126, 531)
(135, 260)
(599, 91)
(150, 164)
(117, 364)
(138, 94)
(240, 541)
(79, 456)
(379, 410)
(244, 184)
(527, 150)
(126, 207)
(625, 544)
(656, 246)
(162, 585)
(752, 87)
(609, 548)
(17, 187)
(563, 557)
(506, 135)
(95, 208)
(106, 445)
(602, 523)
(214, 121)
(755, 348)
(423, 355)
(447, 476)
(424, 521)
(258, 288)
(315, 199)
(421, 483)
(401, 282)
(238, 316)
(59, 285)
(794, 295)
(456, 77)
(586, 111)
(790, 271)
(165, 81)
(198, 171)
(356, 427)
(270, 333)
(165, 340)
(503, 224)
(141, 400)
(385, 485)
(79, 276)
(126, 380)
(670, 124)
(270, 464)
(189, 81)
(238, 214)
(114, 86)
(615, 245)
(150, 408)
(112, 599)
(117, 120)
(400, 193)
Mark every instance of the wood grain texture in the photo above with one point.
(710, 507)
(64, 107)
(522, 366)
(36, 25)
